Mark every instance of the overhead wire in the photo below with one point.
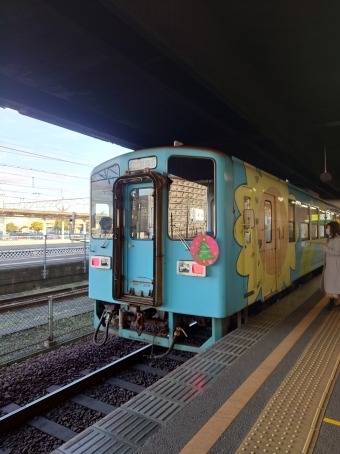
(11, 145)
(10, 174)
(39, 200)
(37, 146)
(49, 188)
(43, 156)
(44, 171)
(17, 150)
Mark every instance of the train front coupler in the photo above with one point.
(177, 334)
(133, 319)
(105, 320)
(138, 323)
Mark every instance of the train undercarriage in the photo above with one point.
(170, 330)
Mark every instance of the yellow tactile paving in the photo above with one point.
(287, 424)
(202, 442)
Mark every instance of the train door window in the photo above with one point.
(268, 227)
(191, 197)
(305, 224)
(246, 201)
(322, 223)
(141, 213)
(102, 201)
(291, 220)
(314, 217)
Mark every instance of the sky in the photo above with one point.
(42, 162)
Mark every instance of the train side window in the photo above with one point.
(314, 217)
(328, 219)
(141, 213)
(305, 224)
(322, 223)
(102, 201)
(246, 201)
(268, 228)
(191, 197)
(291, 220)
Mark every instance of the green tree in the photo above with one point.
(37, 226)
(58, 224)
(10, 227)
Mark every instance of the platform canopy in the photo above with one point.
(257, 80)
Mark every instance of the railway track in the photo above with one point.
(34, 413)
(15, 302)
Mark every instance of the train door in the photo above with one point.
(138, 238)
(138, 246)
(249, 244)
(268, 244)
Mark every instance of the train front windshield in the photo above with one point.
(102, 201)
(191, 203)
(191, 200)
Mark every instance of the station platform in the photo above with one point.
(270, 386)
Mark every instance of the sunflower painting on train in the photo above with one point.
(267, 253)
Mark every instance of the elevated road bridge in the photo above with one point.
(255, 80)
(79, 219)
(43, 214)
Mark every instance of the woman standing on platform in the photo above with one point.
(330, 281)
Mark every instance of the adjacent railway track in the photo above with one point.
(22, 301)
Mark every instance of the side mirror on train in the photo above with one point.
(248, 219)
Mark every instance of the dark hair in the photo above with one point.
(335, 229)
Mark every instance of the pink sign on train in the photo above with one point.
(204, 250)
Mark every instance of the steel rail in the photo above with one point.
(36, 408)
(20, 297)
(41, 298)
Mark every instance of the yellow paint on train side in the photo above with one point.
(307, 258)
(267, 256)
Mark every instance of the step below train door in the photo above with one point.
(137, 258)
(267, 244)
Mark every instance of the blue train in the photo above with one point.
(186, 236)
